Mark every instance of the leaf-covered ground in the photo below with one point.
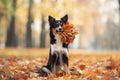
(83, 67)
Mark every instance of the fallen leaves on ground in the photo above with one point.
(82, 67)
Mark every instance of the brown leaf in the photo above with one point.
(75, 72)
(112, 64)
(21, 79)
(51, 76)
(82, 66)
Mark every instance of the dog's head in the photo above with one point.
(57, 24)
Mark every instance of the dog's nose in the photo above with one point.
(60, 29)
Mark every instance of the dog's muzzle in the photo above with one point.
(59, 29)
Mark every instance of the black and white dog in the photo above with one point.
(58, 56)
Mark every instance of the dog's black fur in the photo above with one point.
(57, 57)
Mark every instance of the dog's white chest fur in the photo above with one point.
(58, 46)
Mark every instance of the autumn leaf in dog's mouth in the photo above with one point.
(68, 34)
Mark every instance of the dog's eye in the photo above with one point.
(57, 24)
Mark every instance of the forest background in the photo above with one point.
(24, 23)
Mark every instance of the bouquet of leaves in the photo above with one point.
(68, 34)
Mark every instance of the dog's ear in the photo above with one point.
(65, 18)
(51, 19)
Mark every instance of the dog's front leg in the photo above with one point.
(53, 62)
(50, 59)
(65, 62)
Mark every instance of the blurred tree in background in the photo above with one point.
(42, 37)
(97, 22)
(28, 29)
(11, 39)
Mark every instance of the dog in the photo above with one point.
(58, 54)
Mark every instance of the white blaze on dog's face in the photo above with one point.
(58, 25)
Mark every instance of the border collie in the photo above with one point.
(58, 55)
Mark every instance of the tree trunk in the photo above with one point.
(119, 4)
(29, 31)
(11, 40)
(42, 37)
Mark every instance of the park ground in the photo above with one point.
(24, 64)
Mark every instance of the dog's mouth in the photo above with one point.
(55, 31)
(59, 30)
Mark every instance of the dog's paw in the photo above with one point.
(45, 69)
(42, 71)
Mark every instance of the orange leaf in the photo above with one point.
(82, 66)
